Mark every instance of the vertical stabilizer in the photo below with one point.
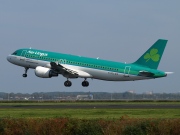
(152, 56)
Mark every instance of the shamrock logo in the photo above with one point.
(152, 55)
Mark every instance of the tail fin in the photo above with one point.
(152, 56)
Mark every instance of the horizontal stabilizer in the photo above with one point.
(146, 74)
(168, 73)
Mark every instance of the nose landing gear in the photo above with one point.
(25, 74)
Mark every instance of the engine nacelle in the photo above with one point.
(44, 72)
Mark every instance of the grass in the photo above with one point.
(90, 121)
(113, 102)
(90, 113)
(86, 113)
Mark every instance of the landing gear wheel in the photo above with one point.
(85, 83)
(24, 75)
(67, 83)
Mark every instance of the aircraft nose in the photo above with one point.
(9, 58)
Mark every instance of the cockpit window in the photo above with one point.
(15, 53)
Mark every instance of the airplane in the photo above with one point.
(51, 64)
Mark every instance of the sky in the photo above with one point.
(113, 30)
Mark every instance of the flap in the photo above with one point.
(67, 70)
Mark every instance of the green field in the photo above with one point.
(36, 118)
(90, 113)
(93, 113)
(109, 102)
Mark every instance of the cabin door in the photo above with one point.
(127, 71)
(23, 54)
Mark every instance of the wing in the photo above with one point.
(146, 74)
(69, 72)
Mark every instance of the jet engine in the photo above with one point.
(44, 72)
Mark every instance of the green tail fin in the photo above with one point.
(152, 56)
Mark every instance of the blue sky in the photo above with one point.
(113, 30)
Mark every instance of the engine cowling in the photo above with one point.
(44, 72)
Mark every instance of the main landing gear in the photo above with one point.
(85, 83)
(68, 83)
(25, 74)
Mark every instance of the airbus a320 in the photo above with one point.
(51, 64)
